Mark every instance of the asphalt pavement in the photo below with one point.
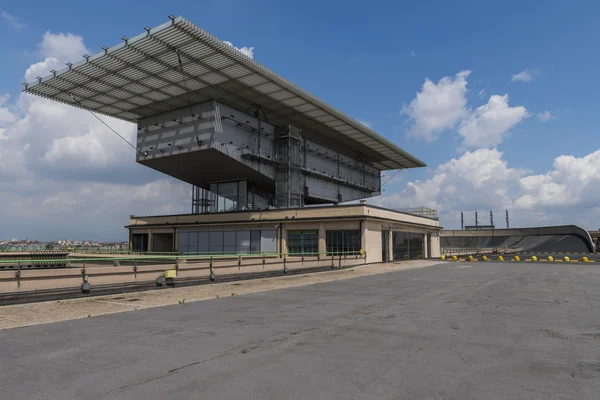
(451, 331)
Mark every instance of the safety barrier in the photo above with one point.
(87, 273)
(517, 258)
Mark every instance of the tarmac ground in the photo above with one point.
(448, 331)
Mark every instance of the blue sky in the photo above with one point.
(370, 60)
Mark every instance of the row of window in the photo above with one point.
(337, 242)
(228, 242)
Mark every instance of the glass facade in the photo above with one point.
(139, 242)
(408, 246)
(303, 242)
(228, 242)
(229, 196)
(343, 242)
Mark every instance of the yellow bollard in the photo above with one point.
(500, 258)
(470, 258)
(454, 258)
(566, 259)
(533, 258)
(584, 259)
(517, 258)
(443, 257)
(484, 258)
(550, 258)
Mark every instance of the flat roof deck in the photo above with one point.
(178, 64)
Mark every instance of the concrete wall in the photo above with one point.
(537, 231)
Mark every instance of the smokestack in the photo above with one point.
(491, 218)
(507, 224)
(462, 222)
(476, 220)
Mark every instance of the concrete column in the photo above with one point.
(435, 245)
(176, 240)
(425, 255)
(322, 248)
(390, 246)
(363, 235)
(282, 243)
(150, 245)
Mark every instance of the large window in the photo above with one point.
(407, 246)
(139, 242)
(343, 242)
(303, 242)
(228, 242)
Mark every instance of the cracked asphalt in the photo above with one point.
(449, 331)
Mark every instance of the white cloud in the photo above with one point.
(438, 106)
(481, 92)
(574, 182)
(476, 179)
(15, 22)
(545, 116)
(489, 124)
(58, 161)
(526, 76)
(248, 51)
(6, 116)
(482, 180)
(56, 49)
(63, 46)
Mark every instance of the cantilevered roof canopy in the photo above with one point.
(177, 64)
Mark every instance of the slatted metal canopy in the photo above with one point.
(177, 64)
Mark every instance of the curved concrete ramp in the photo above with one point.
(569, 238)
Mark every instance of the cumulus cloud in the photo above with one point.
(490, 123)
(443, 106)
(6, 116)
(58, 161)
(477, 179)
(482, 180)
(438, 106)
(56, 49)
(13, 21)
(573, 182)
(247, 51)
(526, 76)
(545, 116)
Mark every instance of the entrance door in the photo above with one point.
(385, 250)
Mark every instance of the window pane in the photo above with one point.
(268, 241)
(343, 242)
(183, 242)
(203, 240)
(254, 242)
(303, 242)
(243, 242)
(193, 242)
(216, 242)
(229, 242)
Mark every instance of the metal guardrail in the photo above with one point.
(188, 256)
(145, 272)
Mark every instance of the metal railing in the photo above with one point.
(86, 275)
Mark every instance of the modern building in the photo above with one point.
(269, 164)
